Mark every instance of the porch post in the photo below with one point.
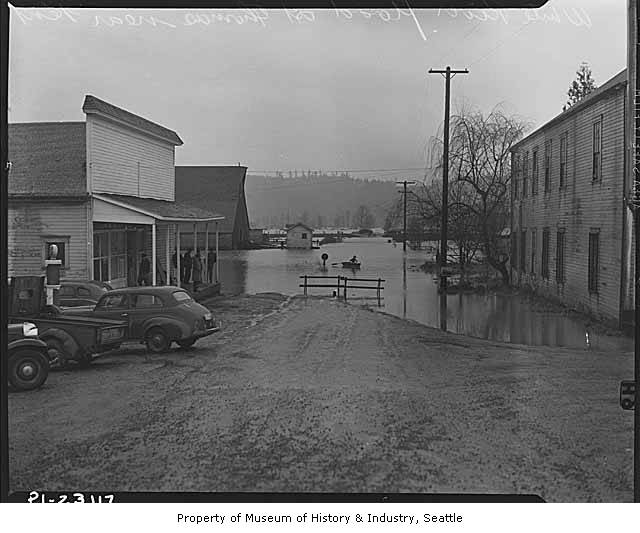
(206, 251)
(168, 257)
(178, 273)
(195, 238)
(217, 256)
(153, 254)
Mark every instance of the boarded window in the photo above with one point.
(514, 250)
(597, 149)
(545, 253)
(547, 166)
(533, 251)
(594, 260)
(534, 172)
(564, 145)
(560, 253)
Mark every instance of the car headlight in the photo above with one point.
(29, 329)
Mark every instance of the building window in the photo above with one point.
(533, 251)
(525, 173)
(101, 256)
(63, 249)
(594, 252)
(118, 255)
(564, 144)
(534, 172)
(514, 250)
(597, 149)
(560, 253)
(523, 250)
(545, 253)
(515, 174)
(547, 166)
(304, 235)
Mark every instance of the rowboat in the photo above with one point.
(351, 264)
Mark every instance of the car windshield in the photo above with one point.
(181, 296)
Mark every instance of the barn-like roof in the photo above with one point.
(215, 188)
(95, 105)
(47, 159)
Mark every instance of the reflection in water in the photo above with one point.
(409, 293)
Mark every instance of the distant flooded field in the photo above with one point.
(410, 293)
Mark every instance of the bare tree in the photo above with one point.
(479, 182)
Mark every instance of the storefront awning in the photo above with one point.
(117, 208)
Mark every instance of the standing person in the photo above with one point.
(144, 272)
(197, 271)
(188, 264)
(211, 261)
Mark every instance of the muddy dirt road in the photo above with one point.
(316, 395)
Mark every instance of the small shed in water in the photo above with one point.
(299, 236)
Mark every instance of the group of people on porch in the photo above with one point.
(191, 267)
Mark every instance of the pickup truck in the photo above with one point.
(68, 338)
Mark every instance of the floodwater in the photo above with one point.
(409, 293)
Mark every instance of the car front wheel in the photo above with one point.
(28, 369)
(157, 340)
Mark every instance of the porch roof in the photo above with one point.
(160, 209)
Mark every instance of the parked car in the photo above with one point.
(78, 292)
(28, 361)
(156, 316)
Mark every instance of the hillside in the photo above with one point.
(318, 200)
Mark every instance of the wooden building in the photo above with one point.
(103, 190)
(300, 236)
(570, 231)
(219, 189)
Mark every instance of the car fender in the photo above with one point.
(28, 343)
(69, 344)
(175, 329)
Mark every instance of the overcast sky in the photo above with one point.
(317, 90)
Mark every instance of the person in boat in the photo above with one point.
(354, 259)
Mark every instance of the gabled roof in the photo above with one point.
(160, 209)
(95, 105)
(215, 188)
(48, 159)
(617, 81)
(299, 224)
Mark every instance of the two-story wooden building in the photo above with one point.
(570, 230)
(103, 190)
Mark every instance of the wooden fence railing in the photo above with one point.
(344, 284)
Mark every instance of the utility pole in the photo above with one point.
(448, 74)
(404, 192)
(633, 73)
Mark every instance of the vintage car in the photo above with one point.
(28, 360)
(78, 292)
(156, 316)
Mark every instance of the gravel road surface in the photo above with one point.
(316, 395)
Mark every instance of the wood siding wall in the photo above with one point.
(295, 240)
(123, 161)
(582, 206)
(31, 224)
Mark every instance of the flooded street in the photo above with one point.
(505, 318)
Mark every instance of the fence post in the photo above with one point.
(345, 289)
(379, 282)
(305, 285)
